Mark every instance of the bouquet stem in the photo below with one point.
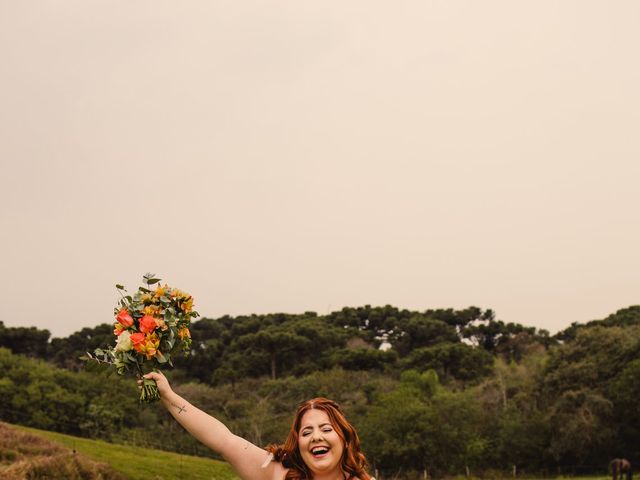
(149, 392)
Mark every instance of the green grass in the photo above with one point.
(138, 463)
(142, 463)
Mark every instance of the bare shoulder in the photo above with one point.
(279, 472)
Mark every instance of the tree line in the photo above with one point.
(456, 391)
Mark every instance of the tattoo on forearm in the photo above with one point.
(180, 408)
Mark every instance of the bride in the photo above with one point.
(321, 445)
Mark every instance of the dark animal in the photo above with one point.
(619, 466)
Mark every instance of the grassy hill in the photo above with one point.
(24, 455)
(137, 463)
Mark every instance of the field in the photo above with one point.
(142, 463)
(138, 463)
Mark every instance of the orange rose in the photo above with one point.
(147, 324)
(138, 341)
(124, 318)
(118, 328)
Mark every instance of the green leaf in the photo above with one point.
(149, 279)
(120, 287)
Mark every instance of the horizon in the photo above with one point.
(202, 317)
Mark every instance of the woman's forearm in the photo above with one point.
(245, 458)
(205, 428)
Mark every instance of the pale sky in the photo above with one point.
(284, 156)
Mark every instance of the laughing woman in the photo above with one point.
(322, 444)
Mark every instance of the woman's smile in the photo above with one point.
(320, 445)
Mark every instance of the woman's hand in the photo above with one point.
(163, 384)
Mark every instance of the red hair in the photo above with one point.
(353, 461)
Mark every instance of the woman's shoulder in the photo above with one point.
(279, 471)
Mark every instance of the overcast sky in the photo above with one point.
(286, 156)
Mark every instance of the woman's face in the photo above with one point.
(320, 446)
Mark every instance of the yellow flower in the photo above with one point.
(118, 328)
(184, 333)
(160, 291)
(153, 310)
(150, 345)
(187, 305)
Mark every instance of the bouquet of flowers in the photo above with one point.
(151, 326)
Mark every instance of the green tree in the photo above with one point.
(66, 352)
(29, 341)
(451, 360)
(420, 331)
(363, 358)
(275, 343)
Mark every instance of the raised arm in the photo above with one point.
(246, 458)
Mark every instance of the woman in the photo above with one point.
(322, 444)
